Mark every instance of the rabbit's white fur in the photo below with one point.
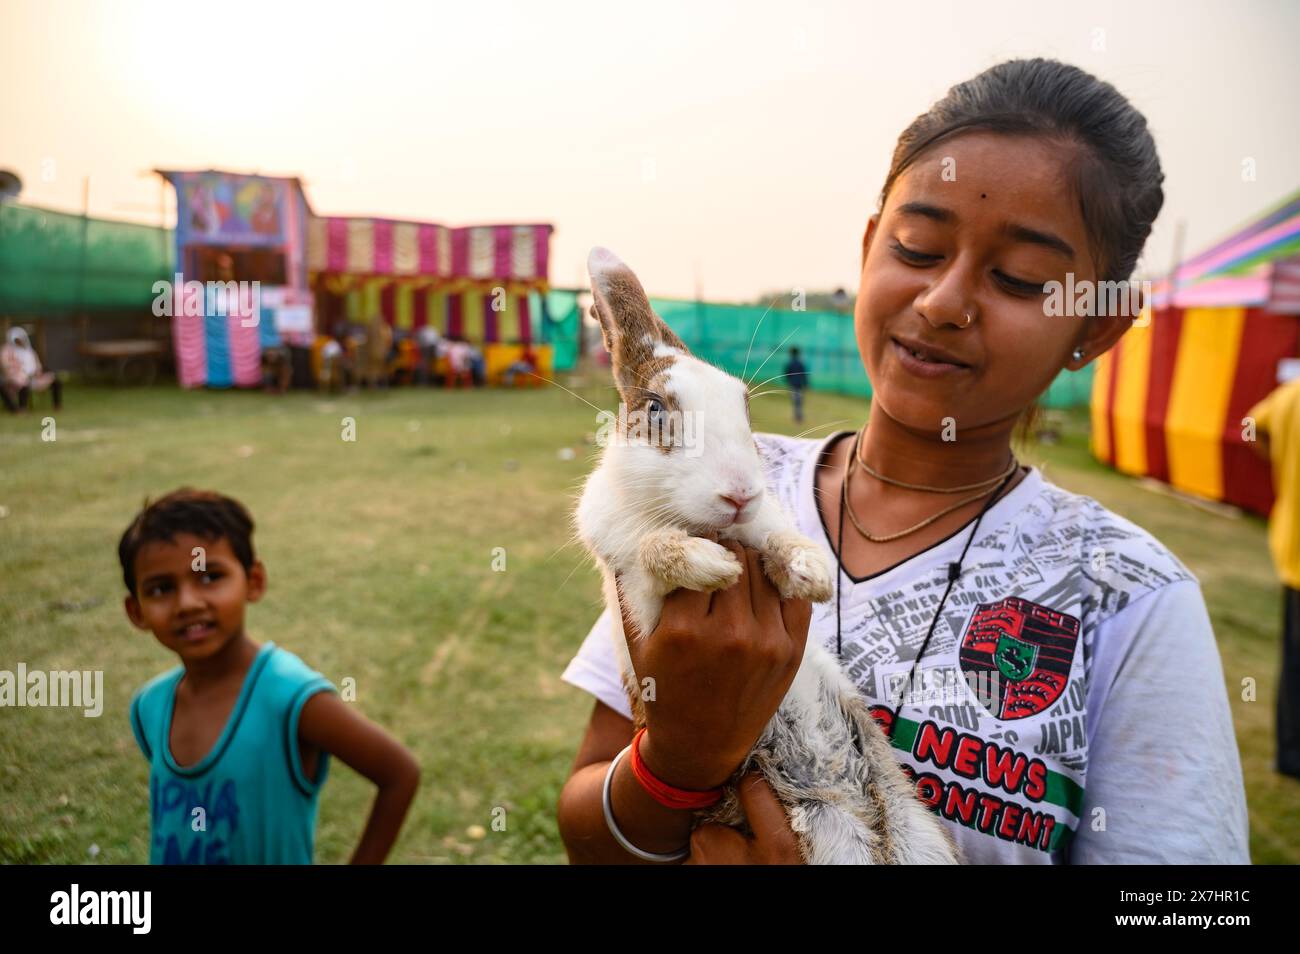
(643, 514)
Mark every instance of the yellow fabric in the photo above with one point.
(1204, 371)
(1101, 407)
(435, 313)
(471, 315)
(406, 248)
(444, 251)
(317, 243)
(340, 282)
(482, 251)
(498, 357)
(523, 251)
(361, 246)
(404, 306)
(1131, 401)
(508, 320)
(1278, 416)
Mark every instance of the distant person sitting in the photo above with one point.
(379, 345)
(21, 373)
(277, 368)
(477, 366)
(429, 341)
(458, 364)
(1277, 423)
(527, 365)
(796, 379)
(333, 366)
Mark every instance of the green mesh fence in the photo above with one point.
(53, 263)
(720, 334)
(561, 327)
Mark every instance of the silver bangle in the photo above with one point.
(613, 825)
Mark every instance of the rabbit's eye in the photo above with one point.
(654, 411)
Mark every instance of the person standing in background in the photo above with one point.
(796, 378)
(1277, 423)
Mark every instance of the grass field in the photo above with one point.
(380, 557)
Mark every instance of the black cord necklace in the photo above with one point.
(954, 572)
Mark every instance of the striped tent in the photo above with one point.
(485, 282)
(1170, 400)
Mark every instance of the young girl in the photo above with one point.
(239, 735)
(1046, 669)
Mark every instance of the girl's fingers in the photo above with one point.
(796, 615)
(683, 605)
(764, 595)
(766, 816)
(717, 844)
(758, 582)
(730, 599)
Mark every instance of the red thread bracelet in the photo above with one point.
(666, 794)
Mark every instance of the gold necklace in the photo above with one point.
(844, 501)
(982, 484)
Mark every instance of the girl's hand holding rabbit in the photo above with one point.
(773, 841)
(721, 663)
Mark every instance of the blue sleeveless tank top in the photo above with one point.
(258, 807)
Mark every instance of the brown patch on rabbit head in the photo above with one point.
(632, 332)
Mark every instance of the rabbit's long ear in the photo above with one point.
(631, 329)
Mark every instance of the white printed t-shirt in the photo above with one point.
(1070, 707)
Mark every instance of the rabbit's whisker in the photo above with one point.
(775, 350)
(576, 568)
(750, 350)
(819, 427)
(784, 374)
(563, 388)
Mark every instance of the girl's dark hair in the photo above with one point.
(207, 515)
(1116, 172)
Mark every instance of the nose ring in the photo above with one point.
(969, 318)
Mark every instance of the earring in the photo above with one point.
(1078, 354)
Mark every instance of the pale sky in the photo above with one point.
(740, 146)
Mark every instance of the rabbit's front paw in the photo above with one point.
(692, 563)
(797, 567)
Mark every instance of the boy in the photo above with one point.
(238, 736)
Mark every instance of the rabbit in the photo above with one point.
(683, 463)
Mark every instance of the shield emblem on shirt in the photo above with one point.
(1020, 651)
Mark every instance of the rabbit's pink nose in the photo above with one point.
(737, 500)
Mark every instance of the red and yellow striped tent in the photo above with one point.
(1169, 401)
(485, 282)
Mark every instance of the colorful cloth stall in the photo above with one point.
(484, 283)
(246, 232)
(1170, 400)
